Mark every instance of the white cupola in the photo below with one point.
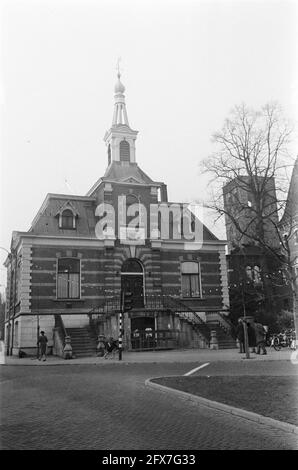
(120, 139)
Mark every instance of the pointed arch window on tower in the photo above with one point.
(124, 151)
(109, 154)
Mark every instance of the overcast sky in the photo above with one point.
(185, 64)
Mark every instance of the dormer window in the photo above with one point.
(68, 220)
(67, 217)
(124, 151)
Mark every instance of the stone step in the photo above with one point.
(83, 349)
(83, 354)
(83, 341)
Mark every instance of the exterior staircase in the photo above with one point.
(83, 341)
(215, 320)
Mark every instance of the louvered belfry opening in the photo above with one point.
(124, 151)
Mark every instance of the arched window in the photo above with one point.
(249, 273)
(190, 279)
(257, 275)
(124, 151)
(68, 278)
(254, 274)
(131, 199)
(132, 266)
(67, 219)
(132, 280)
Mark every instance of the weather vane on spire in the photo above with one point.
(118, 66)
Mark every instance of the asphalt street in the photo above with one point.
(109, 407)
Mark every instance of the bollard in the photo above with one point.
(67, 351)
(100, 348)
(213, 340)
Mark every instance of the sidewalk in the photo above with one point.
(178, 356)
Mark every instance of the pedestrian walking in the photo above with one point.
(240, 335)
(42, 343)
(260, 338)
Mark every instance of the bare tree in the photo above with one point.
(249, 170)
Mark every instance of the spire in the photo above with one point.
(120, 138)
(120, 114)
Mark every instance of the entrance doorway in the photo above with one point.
(142, 332)
(132, 280)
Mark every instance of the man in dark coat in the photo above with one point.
(42, 343)
(260, 338)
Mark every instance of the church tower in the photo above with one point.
(120, 138)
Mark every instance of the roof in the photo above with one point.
(119, 172)
(46, 222)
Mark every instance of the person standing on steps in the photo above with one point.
(42, 343)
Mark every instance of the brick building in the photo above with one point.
(289, 227)
(255, 278)
(66, 274)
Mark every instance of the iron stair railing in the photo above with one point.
(111, 305)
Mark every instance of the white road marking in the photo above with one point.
(197, 368)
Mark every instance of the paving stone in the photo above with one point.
(88, 407)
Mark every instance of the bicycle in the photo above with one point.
(279, 341)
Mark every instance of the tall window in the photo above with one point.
(124, 151)
(67, 219)
(68, 278)
(190, 279)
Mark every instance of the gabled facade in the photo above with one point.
(82, 252)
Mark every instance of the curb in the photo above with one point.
(155, 360)
(249, 415)
(91, 363)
